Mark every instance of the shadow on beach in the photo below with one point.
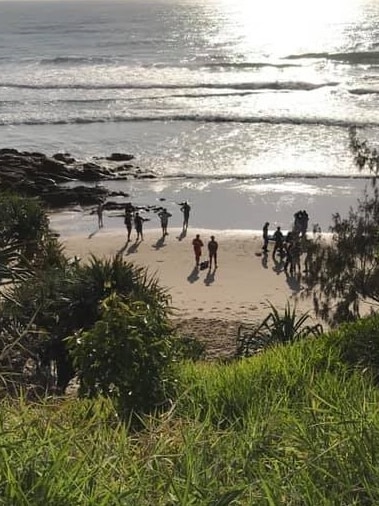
(121, 251)
(133, 248)
(278, 265)
(210, 277)
(93, 233)
(293, 281)
(264, 260)
(160, 243)
(182, 235)
(194, 276)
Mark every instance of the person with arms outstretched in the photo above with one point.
(164, 215)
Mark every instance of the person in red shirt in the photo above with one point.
(197, 244)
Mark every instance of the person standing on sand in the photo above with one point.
(279, 243)
(212, 250)
(164, 215)
(185, 208)
(138, 224)
(100, 209)
(128, 220)
(265, 236)
(197, 244)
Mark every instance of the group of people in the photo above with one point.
(288, 247)
(131, 217)
(198, 245)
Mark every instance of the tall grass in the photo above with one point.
(298, 425)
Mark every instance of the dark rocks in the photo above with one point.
(36, 174)
(120, 157)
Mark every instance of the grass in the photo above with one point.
(297, 425)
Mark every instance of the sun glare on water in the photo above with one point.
(281, 26)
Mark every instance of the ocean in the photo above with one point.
(257, 97)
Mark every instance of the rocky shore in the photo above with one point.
(61, 180)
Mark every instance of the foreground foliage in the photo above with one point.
(297, 425)
(63, 300)
(275, 329)
(127, 355)
(345, 273)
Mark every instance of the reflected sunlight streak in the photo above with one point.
(280, 26)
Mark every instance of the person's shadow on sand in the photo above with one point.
(194, 276)
(293, 281)
(264, 260)
(182, 235)
(278, 265)
(93, 233)
(133, 248)
(121, 251)
(210, 277)
(160, 243)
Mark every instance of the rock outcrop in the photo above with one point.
(61, 180)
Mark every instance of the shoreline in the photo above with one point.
(221, 204)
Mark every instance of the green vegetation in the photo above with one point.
(345, 273)
(275, 329)
(296, 425)
(127, 355)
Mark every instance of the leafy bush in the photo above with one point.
(26, 242)
(65, 299)
(127, 355)
(23, 221)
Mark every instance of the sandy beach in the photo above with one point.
(211, 303)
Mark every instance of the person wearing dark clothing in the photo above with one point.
(279, 240)
(138, 224)
(128, 221)
(164, 215)
(212, 250)
(293, 252)
(197, 244)
(296, 253)
(304, 224)
(265, 235)
(185, 208)
(100, 209)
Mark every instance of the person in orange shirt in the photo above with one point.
(197, 244)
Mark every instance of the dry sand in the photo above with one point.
(208, 304)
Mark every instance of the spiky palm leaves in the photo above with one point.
(276, 328)
(68, 299)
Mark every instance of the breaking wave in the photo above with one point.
(269, 85)
(283, 120)
(354, 57)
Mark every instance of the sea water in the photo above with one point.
(260, 94)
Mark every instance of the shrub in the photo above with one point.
(65, 299)
(127, 355)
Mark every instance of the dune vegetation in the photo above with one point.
(298, 424)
